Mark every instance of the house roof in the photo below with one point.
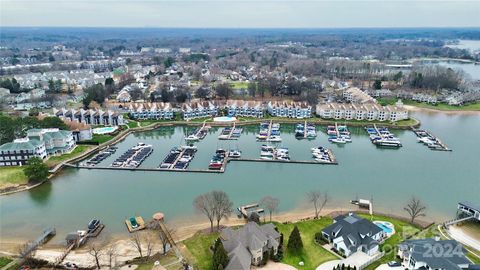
(471, 205)
(21, 144)
(421, 251)
(354, 231)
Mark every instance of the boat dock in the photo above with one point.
(362, 203)
(430, 140)
(46, 235)
(202, 131)
(230, 133)
(246, 210)
(140, 224)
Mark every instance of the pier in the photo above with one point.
(46, 235)
(201, 132)
(246, 210)
(430, 140)
(229, 136)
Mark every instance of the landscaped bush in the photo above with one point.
(320, 239)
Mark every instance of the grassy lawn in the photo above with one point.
(313, 254)
(198, 246)
(132, 124)
(4, 261)
(403, 231)
(439, 106)
(12, 176)
(239, 85)
(54, 160)
(100, 138)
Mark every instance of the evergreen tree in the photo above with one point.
(295, 244)
(36, 170)
(220, 256)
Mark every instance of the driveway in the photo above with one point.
(357, 259)
(458, 234)
(386, 267)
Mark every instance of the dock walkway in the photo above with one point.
(437, 144)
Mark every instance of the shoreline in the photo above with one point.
(413, 108)
(187, 227)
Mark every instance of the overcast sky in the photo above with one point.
(241, 14)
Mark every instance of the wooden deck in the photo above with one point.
(140, 222)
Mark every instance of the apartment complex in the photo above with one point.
(151, 110)
(90, 116)
(245, 108)
(355, 111)
(289, 109)
(38, 143)
(201, 109)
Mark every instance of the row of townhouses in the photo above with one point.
(40, 143)
(90, 116)
(289, 109)
(202, 109)
(369, 112)
(245, 108)
(151, 110)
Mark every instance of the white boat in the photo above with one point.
(274, 138)
(189, 147)
(262, 137)
(339, 140)
(266, 154)
(191, 137)
(234, 153)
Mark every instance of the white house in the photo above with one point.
(245, 108)
(203, 109)
(350, 233)
(356, 111)
(289, 109)
(150, 110)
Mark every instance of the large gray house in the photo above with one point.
(434, 254)
(351, 233)
(247, 245)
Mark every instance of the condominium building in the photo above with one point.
(289, 109)
(38, 143)
(355, 111)
(245, 108)
(151, 110)
(202, 109)
(355, 95)
(91, 116)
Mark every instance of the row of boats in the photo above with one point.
(179, 158)
(429, 140)
(198, 134)
(269, 152)
(269, 132)
(218, 160)
(303, 130)
(383, 137)
(133, 157)
(338, 134)
(102, 155)
(321, 154)
(230, 133)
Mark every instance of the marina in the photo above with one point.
(99, 157)
(428, 139)
(338, 134)
(230, 133)
(133, 157)
(382, 137)
(269, 132)
(198, 134)
(179, 158)
(246, 180)
(305, 131)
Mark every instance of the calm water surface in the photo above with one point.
(390, 177)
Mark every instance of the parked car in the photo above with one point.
(394, 264)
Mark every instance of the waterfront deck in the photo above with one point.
(140, 222)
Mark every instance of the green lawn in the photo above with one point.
(132, 124)
(52, 161)
(12, 176)
(4, 261)
(403, 231)
(239, 85)
(198, 246)
(439, 106)
(99, 138)
(313, 254)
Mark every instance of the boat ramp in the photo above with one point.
(428, 139)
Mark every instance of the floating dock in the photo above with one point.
(246, 210)
(140, 222)
(230, 133)
(430, 140)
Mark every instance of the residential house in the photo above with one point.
(38, 143)
(124, 96)
(350, 233)
(356, 111)
(434, 254)
(246, 246)
(245, 108)
(425, 98)
(80, 131)
(355, 95)
(202, 109)
(289, 109)
(151, 110)
(91, 116)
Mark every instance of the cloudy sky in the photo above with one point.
(241, 13)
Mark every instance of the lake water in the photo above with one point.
(389, 176)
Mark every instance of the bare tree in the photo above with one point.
(96, 250)
(415, 208)
(318, 200)
(205, 205)
(149, 243)
(136, 241)
(111, 253)
(271, 204)
(223, 207)
(27, 251)
(164, 239)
